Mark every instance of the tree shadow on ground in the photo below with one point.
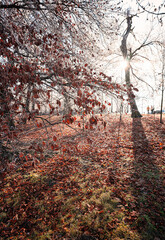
(147, 187)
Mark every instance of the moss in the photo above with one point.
(2, 215)
(124, 232)
(44, 236)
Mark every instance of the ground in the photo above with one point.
(101, 183)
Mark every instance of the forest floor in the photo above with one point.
(101, 183)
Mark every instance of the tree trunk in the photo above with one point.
(161, 109)
(67, 108)
(163, 67)
(27, 103)
(6, 110)
(131, 97)
(3, 156)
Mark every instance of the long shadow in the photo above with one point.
(148, 187)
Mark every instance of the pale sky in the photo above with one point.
(147, 70)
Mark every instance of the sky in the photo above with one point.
(155, 97)
(148, 66)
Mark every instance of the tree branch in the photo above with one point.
(141, 79)
(150, 12)
(141, 46)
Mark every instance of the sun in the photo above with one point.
(124, 64)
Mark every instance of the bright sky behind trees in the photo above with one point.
(147, 65)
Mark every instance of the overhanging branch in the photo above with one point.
(148, 11)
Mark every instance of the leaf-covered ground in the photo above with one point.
(103, 183)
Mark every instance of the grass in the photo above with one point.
(94, 210)
(69, 196)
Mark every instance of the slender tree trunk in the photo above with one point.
(67, 108)
(27, 102)
(134, 109)
(163, 67)
(161, 110)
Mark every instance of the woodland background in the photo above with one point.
(82, 147)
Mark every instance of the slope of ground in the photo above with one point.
(102, 183)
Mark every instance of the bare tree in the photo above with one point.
(162, 85)
(127, 57)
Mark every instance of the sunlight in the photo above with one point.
(124, 64)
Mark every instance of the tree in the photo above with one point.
(41, 51)
(162, 84)
(136, 47)
(127, 57)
